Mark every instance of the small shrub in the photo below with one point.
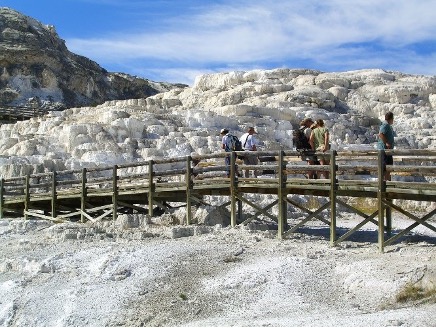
(412, 292)
(231, 259)
(313, 203)
(365, 205)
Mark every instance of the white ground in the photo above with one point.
(66, 275)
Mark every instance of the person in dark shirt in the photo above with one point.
(386, 140)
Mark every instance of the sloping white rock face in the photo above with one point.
(186, 120)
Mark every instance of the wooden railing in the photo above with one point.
(20, 113)
(94, 193)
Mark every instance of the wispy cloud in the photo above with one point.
(337, 33)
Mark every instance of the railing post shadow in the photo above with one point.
(333, 192)
(381, 190)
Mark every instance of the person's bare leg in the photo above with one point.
(311, 174)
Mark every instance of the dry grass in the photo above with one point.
(231, 259)
(365, 205)
(413, 292)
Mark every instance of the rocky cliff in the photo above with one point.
(35, 63)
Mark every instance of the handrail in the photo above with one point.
(351, 173)
(340, 156)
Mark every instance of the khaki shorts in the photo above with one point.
(308, 155)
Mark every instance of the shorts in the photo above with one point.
(389, 160)
(251, 159)
(308, 155)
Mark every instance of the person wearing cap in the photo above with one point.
(306, 125)
(249, 143)
(225, 144)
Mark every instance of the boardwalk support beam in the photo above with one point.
(380, 195)
(2, 199)
(115, 192)
(53, 195)
(282, 196)
(27, 197)
(233, 189)
(333, 190)
(83, 193)
(150, 188)
(189, 184)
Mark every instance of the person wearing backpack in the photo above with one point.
(249, 143)
(301, 142)
(229, 143)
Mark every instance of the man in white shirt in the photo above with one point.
(249, 143)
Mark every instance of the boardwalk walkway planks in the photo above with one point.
(94, 194)
(12, 114)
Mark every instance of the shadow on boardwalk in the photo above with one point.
(366, 236)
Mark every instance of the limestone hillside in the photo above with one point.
(35, 63)
(186, 120)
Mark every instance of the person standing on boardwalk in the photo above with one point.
(307, 154)
(386, 141)
(319, 141)
(228, 143)
(225, 144)
(249, 143)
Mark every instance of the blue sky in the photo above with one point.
(174, 41)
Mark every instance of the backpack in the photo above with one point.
(234, 144)
(299, 139)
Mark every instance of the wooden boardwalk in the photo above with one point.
(93, 194)
(12, 114)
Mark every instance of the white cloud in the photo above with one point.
(259, 31)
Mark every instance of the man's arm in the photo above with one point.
(326, 140)
(385, 140)
(253, 143)
(223, 145)
(312, 144)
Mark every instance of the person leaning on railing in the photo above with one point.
(249, 143)
(386, 140)
(319, 141)
(307, 154)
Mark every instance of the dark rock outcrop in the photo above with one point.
(35, 63)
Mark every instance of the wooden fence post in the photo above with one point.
(233, 189)
(388, 213)
(150, 187)
(189, 185)
(282, 202)
(27, 197)
(53, 194)
(115, 192)
(2, 199)
(333, 191)
(380, 194)
(83, 195)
